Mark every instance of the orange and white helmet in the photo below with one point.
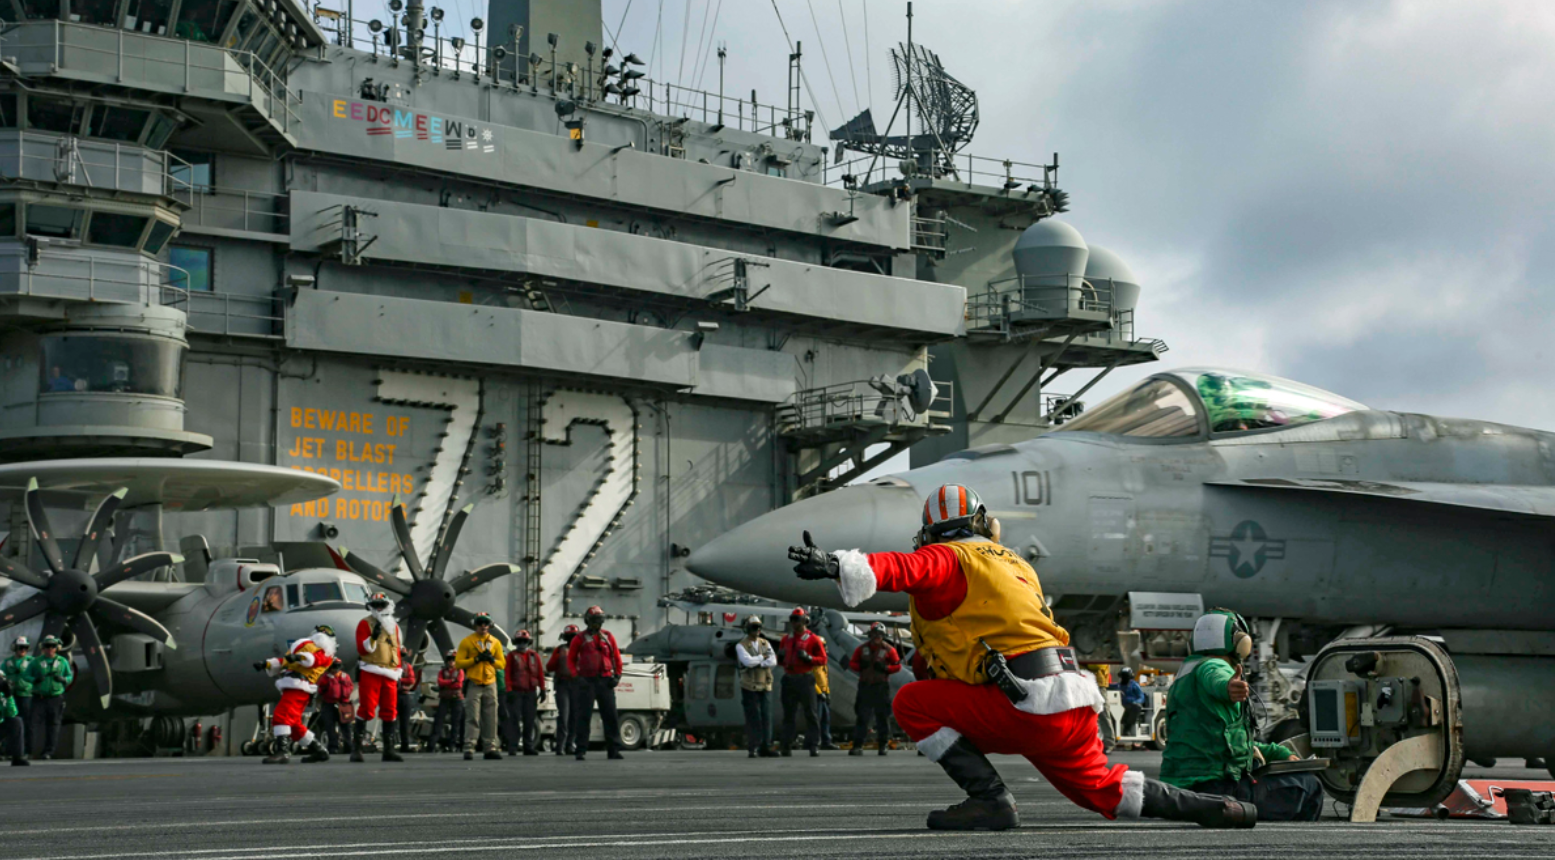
(950, 508)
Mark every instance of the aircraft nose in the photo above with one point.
(754, 557)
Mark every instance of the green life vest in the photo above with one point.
(50, 676)
(15, 668)
(1210, 737)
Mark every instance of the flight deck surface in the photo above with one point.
(667, 804)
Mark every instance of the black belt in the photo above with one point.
(1043, 662)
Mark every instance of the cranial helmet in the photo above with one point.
(798, 616)
(753, 621)
(568, 632)
(594, 617)
(49, 642)
(877, 627)
(482, 618)
(953, 511)
(522, 636)
(1223, 633)
(21, 642)
(378, 601)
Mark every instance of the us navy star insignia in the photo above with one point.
(1246, 549)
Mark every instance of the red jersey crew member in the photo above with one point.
(565, 687)
(595, 660)
(1003, 681)
(300, 670)
(875, 661)
(378, 675)
(799, 652)
(525, 679)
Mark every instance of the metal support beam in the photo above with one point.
(1084, 388)
(850, 450)
(1019, 359)
(1034, 379)
(861, 467)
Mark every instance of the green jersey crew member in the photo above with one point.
(1212, 748)
(15, 668)
(50, 675)
(11, 723)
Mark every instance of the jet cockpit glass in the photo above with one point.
(1236, 402)
(1156, 408)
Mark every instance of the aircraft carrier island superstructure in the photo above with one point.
(617, 317)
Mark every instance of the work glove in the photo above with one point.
(5, 686)
(260, 666)
(813, 562)
(805, 656)
(824, 697)
(542, 697)
(880, 667)
(615, 681)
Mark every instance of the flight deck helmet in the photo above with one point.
(21, 644)
(522, 636)
(594, 617)
(1223, 633)
(951, 512)
(877, 627)
(568, 632)
(798, 617)
(378, 601)
(753, 625)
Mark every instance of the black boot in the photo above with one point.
(358, 732)
(281, 754)
(989, 805)
(1206, 810)
(18, 761)
(389, 754)
(316, 753)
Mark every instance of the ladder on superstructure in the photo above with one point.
(532, 453)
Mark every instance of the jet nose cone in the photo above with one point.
(754, 557)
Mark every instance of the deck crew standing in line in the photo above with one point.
(756, 661)
(566, 690)
(800, 651)
(15, 668)
(480, 655)
(10, 723)
(525, 680)
(409, 695)
(450, 705)
(50, 675)
(1004, 682)
(378, 675)
(875, 661)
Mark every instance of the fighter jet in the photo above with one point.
(1259, 493)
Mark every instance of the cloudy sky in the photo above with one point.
(1354, 194)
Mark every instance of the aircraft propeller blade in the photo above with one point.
(53, 625)
(24, 610)
(465, 618)
(39, 520)
(136, 566)
(26, 576)
(445, 545)
(87, 641)
(481, 576)
(101, 520)
(440, 635)
(407, 548)
(375, 574)
(117, 613)
(415, 633)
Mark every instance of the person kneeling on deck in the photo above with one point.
(300, 670)
(1004, 682)
(1212, 747)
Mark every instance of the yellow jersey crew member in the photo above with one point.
(1003, 681)
(479, 656)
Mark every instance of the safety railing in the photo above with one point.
(218, 208)
(1039, 298)
(129, 57)
(227, 314)
(63, 158)
(1008, 174)
(51, 274)
(853, 404)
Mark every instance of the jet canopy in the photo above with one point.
(1188, 403)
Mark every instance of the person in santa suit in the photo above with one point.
(298, 672)
(1004, 681)
(379, 650)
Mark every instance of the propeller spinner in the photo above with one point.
(426, 602)
(69, 597)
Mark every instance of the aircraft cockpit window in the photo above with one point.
(273, 602)
(356, 593)
(291, 596)
(1237, 402)
(321, 592)
(1155, 408)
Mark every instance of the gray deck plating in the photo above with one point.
(683, 804)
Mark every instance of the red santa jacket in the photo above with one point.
(594, 655)
(450, 683)
(557, 665)
(867, 655)
(525, 673)
(790, 649)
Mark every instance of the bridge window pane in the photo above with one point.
(9, 118)
(56, 222)
(47, 114)
(199, 173)
(160, 233)
(117, 123)
(115, 230)
(94, 11)
(7, 220)
(204, 20)
(148, 16)
(195, 264)
(113, 364)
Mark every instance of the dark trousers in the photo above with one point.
(1130, 718)
(407, 707)
(823, 709)
(523, 712)
(1287, 797)
(591, 692)
(48, 713)
(564, 693)
(15, 746)
(449, 718)
(758, 718)
(799, 692)
(872, 705)
(329, 726)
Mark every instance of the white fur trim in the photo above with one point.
(935, 746)
(282, 731)
(307, 738)
(385, 671)
(1054, 694)
(285, 683)
(856, 579)
(305, 658)
(1133, 802)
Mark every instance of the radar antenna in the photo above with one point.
(945, 109)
